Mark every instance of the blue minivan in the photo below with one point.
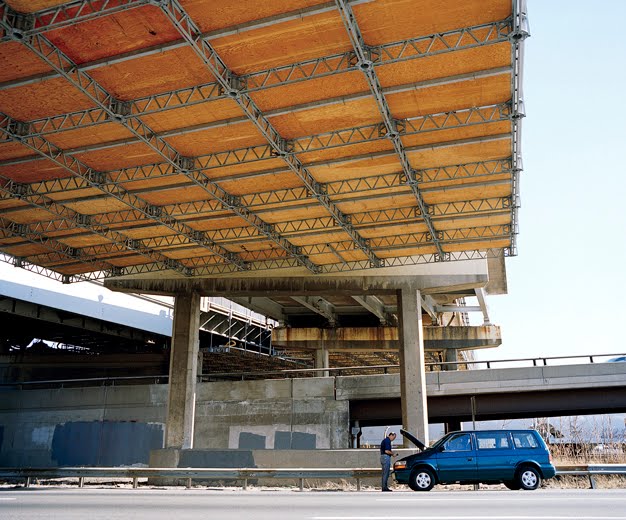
(517, 458)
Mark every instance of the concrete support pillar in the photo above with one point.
(322, 361)
(452, 355)
(181, 401)
(412, 365)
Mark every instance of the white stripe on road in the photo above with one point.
(6, 498)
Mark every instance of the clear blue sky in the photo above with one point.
(567, 285)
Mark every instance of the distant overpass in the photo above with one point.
(504, 393)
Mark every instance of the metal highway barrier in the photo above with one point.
(295, 372)
(245, 474)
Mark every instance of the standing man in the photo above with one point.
(385, 458)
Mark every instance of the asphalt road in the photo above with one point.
(180, 504)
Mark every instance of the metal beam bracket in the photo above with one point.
(18, 129)
(120, 109)
(185, 164)
(20, 24)
(236, 85)
(286, 148)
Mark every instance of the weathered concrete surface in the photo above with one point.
(471, 382)
(283, 414)
(384, 338)
(430, 278)
(412, 366)
(181, 401)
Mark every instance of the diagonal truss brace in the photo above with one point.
(365, 61)
(119, 110)
(95, 180)
(233, 88)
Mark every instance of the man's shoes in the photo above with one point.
(387, 489)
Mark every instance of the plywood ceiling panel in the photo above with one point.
(133, 170)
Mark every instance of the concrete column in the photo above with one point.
(322, 361)
(452, 355)
(412, 365)
(181, 401)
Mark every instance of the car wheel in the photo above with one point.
(528, 478)
(421, 479)
(512, 485)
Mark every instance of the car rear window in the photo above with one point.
(492, 440)
(524, 440)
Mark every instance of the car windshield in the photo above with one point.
(440, 441)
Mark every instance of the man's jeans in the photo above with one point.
(385, 462)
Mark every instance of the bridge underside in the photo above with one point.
(325, 164)
(502, 406)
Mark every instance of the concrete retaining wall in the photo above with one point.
(120, 425)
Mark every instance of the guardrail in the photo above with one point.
(591, 470)
(189, 474)
(295, 372)
(245, 474)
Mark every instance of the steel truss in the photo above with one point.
(379, 220)
(395, 52)
(70, 220)
(117, 111)
(232, 86)
(339, 138)
(237, 87)
(94, 180)
(519, 33)
(392, 128)
(26, 25)
(480, 170)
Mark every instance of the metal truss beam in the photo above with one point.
(83, 10)
(117, 111)
(57, 251)
(200, 209)
(75, 167)
(392, 129)
(319, 306)
(232, 86)
(414, 125)
(274, 264)
(70, 219)
(395, 52)
(53, 275)
(26, 25)
(406, 241)
(518, 34)
(339, 138)
(161, 170)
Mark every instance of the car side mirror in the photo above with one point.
(442, 448)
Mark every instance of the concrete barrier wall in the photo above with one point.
(120, 425)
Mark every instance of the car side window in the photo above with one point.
(492, 440)
(460, 442)
(525, 440)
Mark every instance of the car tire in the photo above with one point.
(421, 479)
(512, 485)
(528, 478)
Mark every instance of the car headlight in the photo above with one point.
(401, 464)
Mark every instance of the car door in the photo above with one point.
(456, 459)
(496, 457)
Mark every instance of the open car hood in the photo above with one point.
(413, 439)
